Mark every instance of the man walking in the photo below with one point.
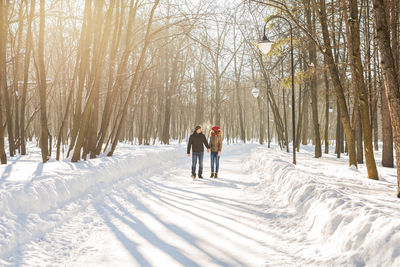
(197, 141)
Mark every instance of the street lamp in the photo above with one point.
(255, 92)
(265, 46)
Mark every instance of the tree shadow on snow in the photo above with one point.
(139, 227)
(131, 246)
(180, 199)
(189, 238)
(7, 171)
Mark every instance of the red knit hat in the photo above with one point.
(216, 128)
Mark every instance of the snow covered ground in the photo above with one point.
(140, 208)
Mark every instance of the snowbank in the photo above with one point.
(345, 217)
(36, 197)
(319, 212)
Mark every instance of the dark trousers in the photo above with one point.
(195, 156)
(214, 160)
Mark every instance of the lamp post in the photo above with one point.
(256, 93)
(265, 46)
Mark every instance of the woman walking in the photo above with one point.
(216, 148)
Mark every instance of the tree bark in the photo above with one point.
(390, 76)
(17, 65)
(27, 60)
(3, 79)
(312, 52)
(387, 134)
(6, 97)
(42, 87)
(362, 94)
(326, 131)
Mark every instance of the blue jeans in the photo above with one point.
(195, 156)
(214, 160)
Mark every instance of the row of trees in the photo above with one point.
(351, 54)
(69, 77)
(80, 78)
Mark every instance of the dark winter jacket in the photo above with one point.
(196, 142)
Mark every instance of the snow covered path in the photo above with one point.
(164, 218)
(167, 219)
(140, 208)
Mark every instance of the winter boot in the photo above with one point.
(193, 176)
(212, 175)
(201, 176)
(216, 175)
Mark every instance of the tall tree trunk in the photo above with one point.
(285, 119)
(3, 76)
(326, 131)
(168, 85)
(305, 107)
(312, 52)
(217, 106)
(387, 134)
(17, 65)
(42, 87)
(374, 100)
(170, 91)
(141, 121)
(300, 117)
(199, 96)
(6, 97)
(27, 60)
(362, 94)
(357, 125)
(306, 99)
(371, 84)
(238, 70)
(390, 76)
(338, 148)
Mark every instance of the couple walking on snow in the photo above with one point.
(196, 143)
